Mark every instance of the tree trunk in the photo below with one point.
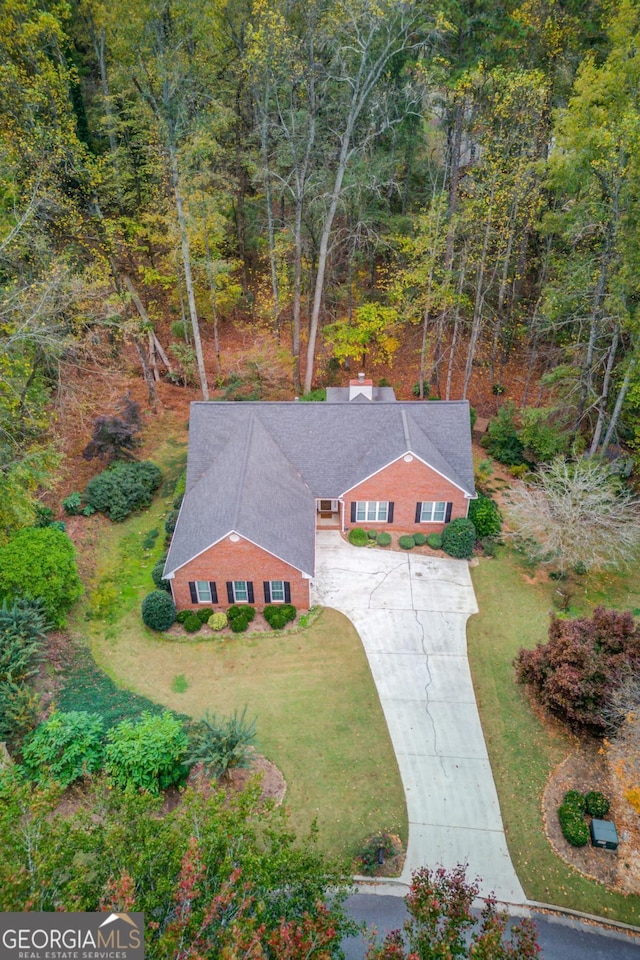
(604, 396)
(456, 327)
(186, 262)
(479, 298)
(146, 373)
(613, 423)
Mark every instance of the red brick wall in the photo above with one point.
(405, 484)
(238, 561)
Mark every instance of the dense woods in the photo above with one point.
(341, 176)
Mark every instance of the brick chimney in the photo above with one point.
(361, 386)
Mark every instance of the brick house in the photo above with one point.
(263, 477)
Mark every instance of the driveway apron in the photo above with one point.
(411, 613)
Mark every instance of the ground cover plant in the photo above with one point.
(316, 680)
(523, 751)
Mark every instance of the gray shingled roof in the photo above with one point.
(256, 468)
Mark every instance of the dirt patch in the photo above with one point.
(584, 770)
(273, 786)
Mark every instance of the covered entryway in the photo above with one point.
(328, 514)
(411, 613)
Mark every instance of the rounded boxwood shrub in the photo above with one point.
(170, 522)
(435, 541)
(383, 539)
(372, 534)
(204, 614)
(574, 826)
(218, 620)
(182, 615)
(575, 800)
(596, 804)
(243, 611)
(358, 537)
(458, 538)
(419, 539)
(158, 579)
(123, 487)
(239, 624)
(158, 610)
(486, 516)
(279, 615)
(65, 747)
(406, 542)
(192, 623)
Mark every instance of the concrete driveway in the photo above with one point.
(411, 613)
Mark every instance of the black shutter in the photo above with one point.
(287, 592)
(353, 513)
(214, 591)
(267, 591)
(418, 511)
(390, 512)
(230, 591)
(193, 592)
(250, 591)
(447, 515)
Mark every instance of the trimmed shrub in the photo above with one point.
(486, 516)
(218, 620)
(192, 623)
(239, 624)
(123, 488)
(571, 817)
(65, 747)
(158, 610)
(576, 800)
(596, 804)
(156, 576)
(244, 612)
(419, 539)
(222, 743)
(458, 538)
(204, 613)
(170, 522)
(435, 541)
(383, 539)
(358, 537)
(183, 615)
(372, 534)
(40, 563)
(279, 615)
(406, 542)
(148, 754)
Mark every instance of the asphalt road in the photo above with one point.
(559, 938)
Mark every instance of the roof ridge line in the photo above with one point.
(405, 427)
(243, 468)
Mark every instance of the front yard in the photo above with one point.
(514, 612)
(319, 717)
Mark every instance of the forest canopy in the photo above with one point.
(343, 176)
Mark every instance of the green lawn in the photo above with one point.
(523, 752)
(319, 717)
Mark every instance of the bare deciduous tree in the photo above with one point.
(576, 514)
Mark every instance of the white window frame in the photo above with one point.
(280, 599)
(428, 515)
(236, 598)
(372, 511)
(203, 591)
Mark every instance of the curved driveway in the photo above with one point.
(411, 613)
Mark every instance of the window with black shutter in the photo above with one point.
(214, 591)
(390, 512)
(447, 516)
(267, 591)
(418, 511)
(193, 592)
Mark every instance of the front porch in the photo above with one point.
(329, 514)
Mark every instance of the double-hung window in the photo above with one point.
(433, 511)
(240, 591)
(203, 591)
(372, 511)
(277, 591)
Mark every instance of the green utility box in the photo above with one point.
(604, 834)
